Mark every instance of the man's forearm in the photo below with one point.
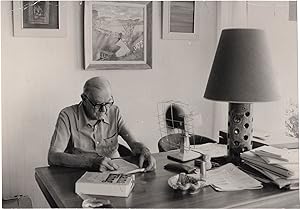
(88, 160)
(139, 148)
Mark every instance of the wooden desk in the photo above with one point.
(152, 190)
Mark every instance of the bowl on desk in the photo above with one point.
(186, 182)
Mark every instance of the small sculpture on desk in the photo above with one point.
(207, 160)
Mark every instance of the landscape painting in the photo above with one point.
(118, 32)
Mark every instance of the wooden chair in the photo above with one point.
(172, 141)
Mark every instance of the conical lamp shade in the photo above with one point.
(242, 69)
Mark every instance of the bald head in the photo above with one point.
(96, 91)
(96, 84)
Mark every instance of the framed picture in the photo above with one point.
(181, 20)
(39, 18)
(118, 35)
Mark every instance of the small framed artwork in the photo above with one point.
(39, 18)
(118, 35)
(181, 20)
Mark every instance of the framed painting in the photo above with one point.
(181, 20)
(39, 18)
(118, 35)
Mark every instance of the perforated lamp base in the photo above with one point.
(240, 130)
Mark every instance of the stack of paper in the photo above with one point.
(280, 165)
(213, 150)
(230, 178)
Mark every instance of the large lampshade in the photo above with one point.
(242, 68)
(241, 74)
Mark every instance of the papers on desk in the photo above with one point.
(124, 166)
(230, 178)
(212, 149)
(281, 166)
(273, 155)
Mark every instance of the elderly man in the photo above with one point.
(86, 134)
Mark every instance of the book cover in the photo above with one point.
(108, 184)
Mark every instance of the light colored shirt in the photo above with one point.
(74, 130)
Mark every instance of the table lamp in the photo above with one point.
(241, 74)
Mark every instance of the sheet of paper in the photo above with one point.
(124, 166)
(291, 155)
(230, 178)
(211, 149)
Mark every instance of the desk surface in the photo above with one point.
(152, 190)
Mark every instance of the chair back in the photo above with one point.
(172, 141)
(124, 151)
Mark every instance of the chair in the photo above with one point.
(124, 151)
(172, 141)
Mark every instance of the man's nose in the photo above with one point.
(103, 108)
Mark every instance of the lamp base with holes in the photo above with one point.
(240, 130)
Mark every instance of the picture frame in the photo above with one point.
(181, 20)
(39, 18)
(118, 35)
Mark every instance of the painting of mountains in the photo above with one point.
(118, 32)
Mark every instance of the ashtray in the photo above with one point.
(96, 203)
(186, 182)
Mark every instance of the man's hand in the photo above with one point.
(146, 155)
(108, 164)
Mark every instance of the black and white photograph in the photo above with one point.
(149, 104)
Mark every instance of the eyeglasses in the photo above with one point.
(98, 107)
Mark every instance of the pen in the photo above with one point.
(139, 170)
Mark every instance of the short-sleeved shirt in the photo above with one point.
(75, 130)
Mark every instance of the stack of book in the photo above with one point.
(281, 166)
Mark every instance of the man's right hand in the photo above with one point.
(108, 164)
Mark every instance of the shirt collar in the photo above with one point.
(84, 120)
(105, 118)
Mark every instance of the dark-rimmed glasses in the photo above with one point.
(98, 106)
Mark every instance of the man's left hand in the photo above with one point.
(146, 155)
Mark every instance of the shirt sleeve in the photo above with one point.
(61, 135)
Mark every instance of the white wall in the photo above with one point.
(40, 76)
(282, 37)
(273, 17)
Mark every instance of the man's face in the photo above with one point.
(97, 103)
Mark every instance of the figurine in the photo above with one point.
(207, 160)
